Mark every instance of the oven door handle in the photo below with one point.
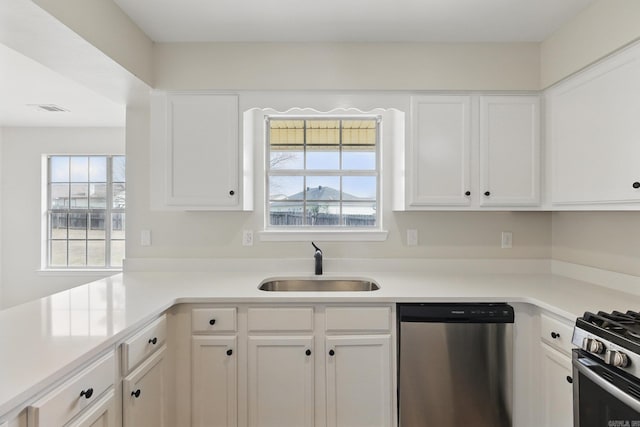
(608, 387)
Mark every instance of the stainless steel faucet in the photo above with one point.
(318, 258)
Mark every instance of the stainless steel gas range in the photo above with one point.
(606, 370)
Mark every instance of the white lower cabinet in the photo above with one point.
(101, 414)
(359, 378)
(281, 381)
(557, 391)
(215, 381)
(144, 402)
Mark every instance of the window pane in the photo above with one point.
(359, 187)
(286, 213)
(117, 226)
(77, 226)
(59, 168)
(79, 169)
(59, 196)
(77, 253)
(322, 214)
(98, 169)
(359, 214)
(79, 196)
(96, 253)
(358, 160)
(323, 188)
(286, 159)
(98, 196)
(118, 168)
(329, 160)
(286, 187)
(58, 253)
(58, 226)
(117, 253)
(119, 195)
(97, 226)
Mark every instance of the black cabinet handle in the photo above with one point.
(636, 184)
(487, 193)
(229, 352)
(308, 352)
(467, 193)
(153, 341)
(231, 192)
(331, 352)
(569, 379)
(555, 335)
(87, 393)
(136, 393)
(212, 322)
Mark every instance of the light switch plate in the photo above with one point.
(145, 238)
(247, 237)
(507, 239)
(412, 237)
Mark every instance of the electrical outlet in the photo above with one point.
(247, 237)
(145, 238)
(507, 239)
(412, 237)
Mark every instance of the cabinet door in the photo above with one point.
(281, 381)
(440, 151)
(594, 133)
(359, 375)
(557, 391)
(509, 151)
(99, 414)
(202, 151)
(214, 381)
(144, 393)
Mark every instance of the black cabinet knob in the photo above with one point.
(229, 352)
(569, 379)
(153, 341)
(636, 184)
(308, 352)
(87, 393)
(555, 335)
(136, 393)
(231, 193)
(487, 193)
(212, 322)
(331, 352)
(467, 193)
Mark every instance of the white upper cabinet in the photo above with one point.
(196, 152)
(441, 151)
(594, 133)
(474, 152)
(509, 151)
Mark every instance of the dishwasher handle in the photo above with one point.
(456, 313)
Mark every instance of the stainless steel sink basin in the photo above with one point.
(318, 285)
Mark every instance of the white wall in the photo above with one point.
(21, 153)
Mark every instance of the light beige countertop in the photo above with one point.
(44, 340)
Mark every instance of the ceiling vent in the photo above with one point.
(50, 108)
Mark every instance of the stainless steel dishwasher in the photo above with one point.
(455, 365)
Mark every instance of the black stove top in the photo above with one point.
(620, 328)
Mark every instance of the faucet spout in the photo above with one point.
(318, 258)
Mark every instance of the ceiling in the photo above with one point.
(25, 83)
(352, 21)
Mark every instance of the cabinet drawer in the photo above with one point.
(280, 319)
(62, 404)
(556, 333)
(142, 344)
(209, 320)
(358, 319)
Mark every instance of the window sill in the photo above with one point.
(323, 235)
(89, 272)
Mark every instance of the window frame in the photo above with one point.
(333, 232)
(108, 212)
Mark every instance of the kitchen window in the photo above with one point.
(322, 173)
(85, 212)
